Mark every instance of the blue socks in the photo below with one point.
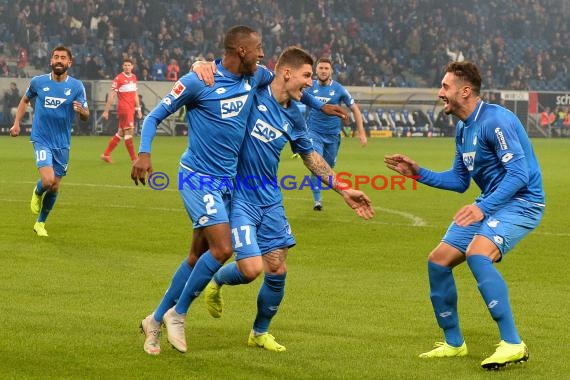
(203, 271)
(315, 188)
(174, 290)
(47, 205)
(493, 288)
(443, 294)
(230, 275)
(268, 301)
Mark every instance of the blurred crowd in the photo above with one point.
(519, 44)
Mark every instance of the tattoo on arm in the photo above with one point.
(319, 167)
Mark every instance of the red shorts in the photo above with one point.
(126, 120)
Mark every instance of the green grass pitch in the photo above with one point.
(356, 303)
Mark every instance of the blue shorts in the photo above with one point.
(327, 146)
(57, 158)
(206, 198)
(258, 230)
(505, 228)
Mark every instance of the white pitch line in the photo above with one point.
(416, 221)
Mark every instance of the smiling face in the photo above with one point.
(293, 73)
(250, 52)
(451, 93)
(60, 62)
(460, 89)
(296, 80)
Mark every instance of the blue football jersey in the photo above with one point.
(53, 109)
(216, 117)
(491, 142)
(334, 93)
(270, 126)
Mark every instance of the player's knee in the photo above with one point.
(436, 258)
(221, 253)
(277, 269)
(251, 273)
(50, 184)
(250, 268)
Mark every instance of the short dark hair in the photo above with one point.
(294, 56)
(128, 60)
(467, 72)
(62, 48)
(235, 36)
(325, 60)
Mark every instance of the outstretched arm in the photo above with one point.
(329, 109)
(402, 164)
(142, 167)
(455, 179)
(355, 199)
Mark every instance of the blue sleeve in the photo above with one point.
(513, 181)
(81, 95)
(509, 151)
(310, 101)
(184, 92)
(150, 124)
(347, 98)
(31, 91)
(264, 76)
(455, 179)
(299, 139)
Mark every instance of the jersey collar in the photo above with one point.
(475, 114)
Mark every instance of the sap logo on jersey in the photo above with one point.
(469, 160)
(265, 132)
(323, 99)
(51, 102)
(232, 107)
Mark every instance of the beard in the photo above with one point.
(59, 69)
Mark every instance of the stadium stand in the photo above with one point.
(521, 45)
(524, 44)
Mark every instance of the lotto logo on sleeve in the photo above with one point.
(51, 102)
(232, 107)
(177, 90)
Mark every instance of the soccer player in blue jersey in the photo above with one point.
(217, 118)
(325, 130)
(260, 230)
(493, 149)
(59, 97)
